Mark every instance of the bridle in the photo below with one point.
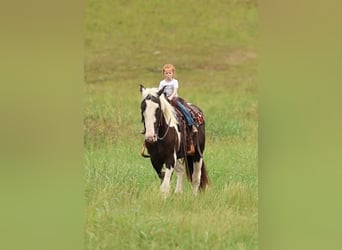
(160, 122)
(157, 133)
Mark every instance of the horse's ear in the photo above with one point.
(142, 88)
(161, 91)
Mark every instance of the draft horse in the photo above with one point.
(166, 142)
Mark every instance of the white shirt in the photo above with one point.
(170, 86)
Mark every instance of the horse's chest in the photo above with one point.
(158, 149)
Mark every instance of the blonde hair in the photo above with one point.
(169, 66)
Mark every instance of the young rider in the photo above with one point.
(171, 92)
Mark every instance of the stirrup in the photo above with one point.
(142, 153)
(191, 150)
(194, 129)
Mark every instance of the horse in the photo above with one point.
(165, 140)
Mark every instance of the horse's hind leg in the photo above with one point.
(180, 172)
(196, 175)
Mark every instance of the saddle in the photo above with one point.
(187, 136)
(196, 113)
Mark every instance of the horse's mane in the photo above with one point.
(167, 109)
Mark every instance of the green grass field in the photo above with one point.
(213, 46)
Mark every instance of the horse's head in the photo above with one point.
(151, 112)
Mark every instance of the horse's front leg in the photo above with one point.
(165, 186)
(158, 165)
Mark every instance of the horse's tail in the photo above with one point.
(204, 183)
(204, 178)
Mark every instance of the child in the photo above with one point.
(171, 91)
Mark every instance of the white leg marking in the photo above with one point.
(165, 186)
(196, 176)
(180, 172)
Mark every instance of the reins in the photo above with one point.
(167, 130)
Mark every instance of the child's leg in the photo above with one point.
(191, 123)
(186, 114)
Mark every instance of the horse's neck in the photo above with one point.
(162, 121)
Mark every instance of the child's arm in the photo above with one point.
(174, 93)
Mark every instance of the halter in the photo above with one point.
(151, 97)
(167, 130)
(157, 132)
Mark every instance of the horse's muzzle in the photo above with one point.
(151, 138)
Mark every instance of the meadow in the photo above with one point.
(213, 46)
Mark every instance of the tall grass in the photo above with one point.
(212, 45)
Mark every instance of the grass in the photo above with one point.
(212, 45)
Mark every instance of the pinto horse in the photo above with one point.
(166, 144)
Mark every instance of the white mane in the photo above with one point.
(149, 91)
(167, 109)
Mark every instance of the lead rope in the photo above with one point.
(142, 153)
(167, 130)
